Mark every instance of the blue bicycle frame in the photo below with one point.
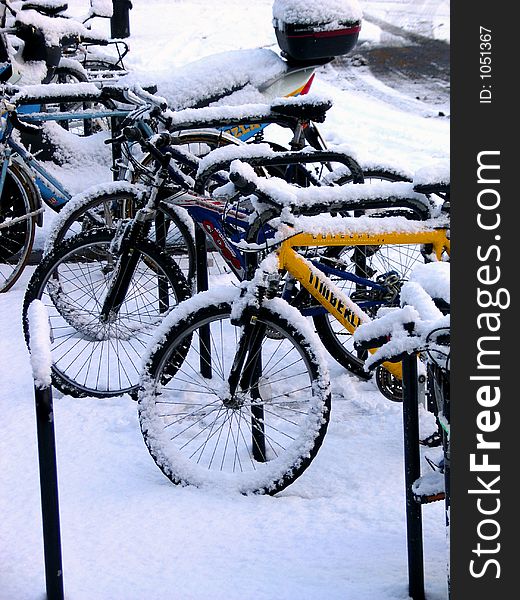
(213, 220)
(51, 190)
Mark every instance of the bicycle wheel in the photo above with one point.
(260, 439)
(390, 265)
(82, 127)
(91, 357)
(172, 228)
(364, 261)
(374, 175)
(16, 229)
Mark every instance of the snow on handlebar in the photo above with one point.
(418, 325)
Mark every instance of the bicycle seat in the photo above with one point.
(307, 110)
(432, 188)
(49, 8)
(433, 179)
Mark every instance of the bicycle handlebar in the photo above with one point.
(421, 324)
(327, 199)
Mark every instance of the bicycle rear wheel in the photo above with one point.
(390, 265)
(365, 261)
(258, 440)
(17, 230)
(93, 357)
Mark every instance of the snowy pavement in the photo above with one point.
(337, 533)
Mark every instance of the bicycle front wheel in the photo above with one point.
(92, 356)
(257, 440)
(172, 228)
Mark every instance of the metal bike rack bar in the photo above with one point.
(201, 261)
(412, 467)
(48, 475)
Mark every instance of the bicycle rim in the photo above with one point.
(91, 357)
(199, 435)
(16, 231)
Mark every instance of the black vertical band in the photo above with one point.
(485, 210)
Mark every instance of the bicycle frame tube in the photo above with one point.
(3, 172)
(347, 312)
(211, 221)
(38, 117)
(51, 190)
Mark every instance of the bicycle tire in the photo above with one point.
(17, 229)
(82, 127)
(303, 411)
(375, 175)
(103, 209)
(91, 358)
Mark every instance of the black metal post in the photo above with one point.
(162, 281)
(412, 467)
(201, 267)
(201, 259)
(49, 493)
(120, 20)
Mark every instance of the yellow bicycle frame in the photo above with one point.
(326, 292)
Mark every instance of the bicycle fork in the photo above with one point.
(244, 378)
(128, 257)
(245, 375)
(125, 248)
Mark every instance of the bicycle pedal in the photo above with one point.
(428, 499)
(432, 441)
(429, 488)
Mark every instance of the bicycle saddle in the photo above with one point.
(308, 111)
(433, 179)
(49, 8)
(432, 188)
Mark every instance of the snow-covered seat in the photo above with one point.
(433, 179)
(49, 8)
(312, 110)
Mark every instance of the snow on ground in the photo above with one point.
(430, 18)
(128, 534)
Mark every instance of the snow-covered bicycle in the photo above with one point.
(235, 391)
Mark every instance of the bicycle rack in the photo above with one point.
(47, 460)
(412, 467)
